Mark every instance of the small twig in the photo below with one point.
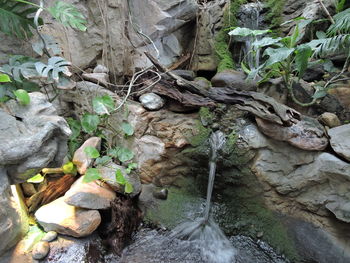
(326, 11)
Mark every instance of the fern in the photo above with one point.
(341, 25)
(14, 20)
(326, 47)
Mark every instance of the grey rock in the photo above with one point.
(329, 119)
(33, 137)
(108, 173)
(99, 78)
(67, 220)
(186, 74)
(40, 250)
(161, 194)
(233, 79)
(101, 69)
(203, 82)
(151, 101)
(49, 236)
(93, 195)
(340, 140)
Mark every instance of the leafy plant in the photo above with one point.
(22, 96)
(121, 153)
(103, 105)
(4, 78)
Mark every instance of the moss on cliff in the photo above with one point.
(274, 15)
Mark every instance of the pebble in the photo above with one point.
(49, 236)
(40, 250)
(161, 194)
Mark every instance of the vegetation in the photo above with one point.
(274, 15)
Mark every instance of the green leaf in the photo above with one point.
(121, 153)
(295, 35)
(119, 177)
(15, 20)
(91, 152)
(75, 127)
(69, 168)
(277, 55)
(103, 160)
(22, 96)
(20, 67)
(245, 32)
(103, 105)
(92, 174)
(128, 188)
(4, 78)
(266, 41)
(131, 166)
(53, 68)
(90, 122)
(68, 15)
(36, 179)
(127, 128)
(320, 92)
(303, 53)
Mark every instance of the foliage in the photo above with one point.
(4, 78)
(121, 153)
(36, 179)
(274, 15)
(103, 105)
(22, 96)
(91, 152)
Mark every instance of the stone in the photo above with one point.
(98, 78)
(329, 119)
(33, 137)
(49, 236)
(186, 74)
(108, 174)
(92, 195)
(343, 96)
(233, 79)
(101, 69)
(151, 101)
(80, 158)
(41, 250)
(68, 220)
(161, 194)
(203, 82)
(307, 134)
(28, 189)
(340, 140)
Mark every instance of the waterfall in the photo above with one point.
(214, 245)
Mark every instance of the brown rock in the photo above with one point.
(343, 95)
(329, 119)
(80, 159)
(67, 220)
(28, 189)
(307, 134)
(93, 195)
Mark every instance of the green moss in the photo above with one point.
(274, 15)
(202, 135)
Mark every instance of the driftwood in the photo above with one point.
(256, 103)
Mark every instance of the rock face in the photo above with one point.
(340, 140)
(307, 134)
(67, 220)
(33, 137)
(233, 79)
(91, 195)
(80, 158)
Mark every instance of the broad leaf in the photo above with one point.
(245, 32)
(75, 127)
(103, 160)
(121, 153)
(68, 15)
(22, 96)
(127, 128)
(92, 174)
(128, 188)
(90, 122)
(4, 78)
(69, 168)
(51, 46)
(36, 179)
(55, 66)
(91, 152)
(303, 53)
(20, 68)
(15, 20)
(277, 55)
(131, 166)
(320, 92)
(103, 105)
(266, 41)
(119, 177)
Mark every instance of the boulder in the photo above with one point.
(151, 101)
(93, 195)
(233, 79)
(108, 174)
(329, 119)
(307, 134)
(68, 220)
(33, 137)
(80, 158)
(340, 140)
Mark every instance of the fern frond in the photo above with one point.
(326, 47)
(341, 25)
(14, 19)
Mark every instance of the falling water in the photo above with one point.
(214, 245)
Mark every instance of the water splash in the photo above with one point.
(214, 245)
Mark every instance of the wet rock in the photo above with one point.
(307, 134)
(108, 174)
(28, 189)
(40, 250)
(329, 119)
(233, 79)
(98, 78)
(80, 158)
(203, 82)
(161, 194)
(151, 101)
(93, 195)
(67, 220)
(49, 236)
(101, 69)
(186, 74)
(34, 137)
(340, 140)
